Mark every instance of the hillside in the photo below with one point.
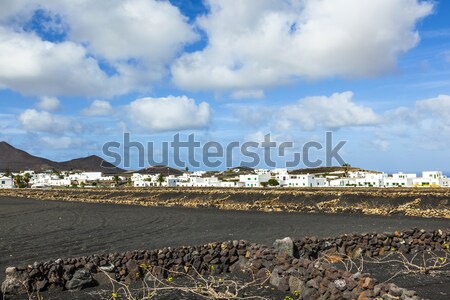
(15, 160)
(91, 163)
(156, 170)
(325, 170)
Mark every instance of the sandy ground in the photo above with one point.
(32, 230)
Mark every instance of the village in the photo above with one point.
(240, 177)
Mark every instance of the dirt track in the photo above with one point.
(32, 230)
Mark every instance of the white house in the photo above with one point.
(304, 180)
(341, 182)
(144, 180)
(445, 182)
(230, 184)
(399, 180)
(262, 171)
(200, 182)
(428, 179)
(280, 171)
(254, 180)
(6, 183)
(91, 176)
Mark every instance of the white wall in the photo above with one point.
(6, 183)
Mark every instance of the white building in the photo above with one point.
(262, 171)
(341, 182)
(280, 171)
(232, 184)
(200, 182)
(254, 180)
(428, 179)
(305, 180)
(399, 180)
(445, 181)
(91, 176)
(6, 183)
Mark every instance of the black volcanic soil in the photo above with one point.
(32, 230)
(423, 202)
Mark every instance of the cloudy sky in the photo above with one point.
(75, 74)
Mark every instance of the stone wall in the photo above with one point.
(291, 266)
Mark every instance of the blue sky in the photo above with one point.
(375, 72)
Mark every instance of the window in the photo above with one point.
(3, 182)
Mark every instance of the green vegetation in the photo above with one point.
(273, 182)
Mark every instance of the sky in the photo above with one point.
(76, 75)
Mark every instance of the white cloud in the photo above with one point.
(49, 104)
(247, 94)
(98, 108)
(133, 40)
(439, 106)
(42, 121)
(33, 66)
(119, 30)
(332, 112)
(426, 124)
(260, 43)
(169, 113)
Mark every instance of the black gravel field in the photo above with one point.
(33, 230)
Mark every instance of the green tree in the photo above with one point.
(8, 173)
(27, 178)
(160, 179)
(19, 182)
(129, 182)
(273, 182)
(116, 179)
(264, 184)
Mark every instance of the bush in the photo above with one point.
(273, 182)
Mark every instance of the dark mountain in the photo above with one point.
(165, 170)
(324, 170)
(91, 163)
(14, 159)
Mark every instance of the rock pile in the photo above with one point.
(291, 266)
(374, 244)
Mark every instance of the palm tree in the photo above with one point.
(160, 179)
(27, 178)
(116, 179)
(346, 168)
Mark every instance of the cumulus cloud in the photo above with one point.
(426, 123)
(49, 104)
(98, 108)
(33, 66)
(42, 121)
(169, 113)
(119, 30)
(332, 112)
(113, 46)
(260, 43)
(439, 106)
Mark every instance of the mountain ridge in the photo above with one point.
(15, 160)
